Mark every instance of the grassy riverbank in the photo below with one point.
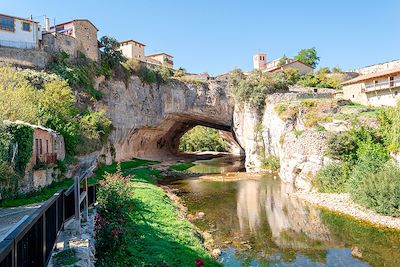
(160, 234)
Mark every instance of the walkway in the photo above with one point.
(10, 216)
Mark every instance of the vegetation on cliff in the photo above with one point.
(137, 225)
(202, 138)
(363, 168)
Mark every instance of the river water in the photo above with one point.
(257, 222)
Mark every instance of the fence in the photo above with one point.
(17, 44)
(31, 243)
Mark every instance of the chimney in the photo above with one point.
(46, 24)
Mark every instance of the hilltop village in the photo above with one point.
(90, 121)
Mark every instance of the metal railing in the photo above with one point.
(31, 243)
(382, 85)
(17, 44)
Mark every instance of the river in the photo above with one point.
(257, 222)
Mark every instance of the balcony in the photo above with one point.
(383, 85)
(49, 158)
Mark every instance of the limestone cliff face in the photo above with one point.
(300, 156)
(150, 119)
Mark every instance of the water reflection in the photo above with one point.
(257, 222)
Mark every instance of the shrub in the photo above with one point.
(9, 181)
(110, 52)
(113, 226)
(255, 88)
(332, 178)
(380, 190)
(270, 163)
(370, 158)
(389, 127)
(23, 136)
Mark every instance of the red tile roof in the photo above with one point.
(132, 41)
(371, 76)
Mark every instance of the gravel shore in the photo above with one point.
(342, 203)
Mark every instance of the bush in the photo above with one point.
(113, 225)
(370, 158)
(380, 190)
(9, 181)
(332, 178)
(201, 138)
(255, 88)
(270, 163)
(389, 127)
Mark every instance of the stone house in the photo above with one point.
(132, 49)
(83, 39)
(19, 32)
(260, 63)
(376, 89)
(161, 59)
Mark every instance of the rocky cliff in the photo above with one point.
(150, 119)
(300, 151)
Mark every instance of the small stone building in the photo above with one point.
(132, 49)
(161, 59)
(74, 37)
(376, 89)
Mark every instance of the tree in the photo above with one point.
(308, 56)
(111, 53)
(283, 60)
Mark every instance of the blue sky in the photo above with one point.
(216, 35)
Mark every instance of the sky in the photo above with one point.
(215, 36)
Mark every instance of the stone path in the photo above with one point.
(10, 216)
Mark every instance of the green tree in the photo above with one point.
(308, 56)
(111, 53)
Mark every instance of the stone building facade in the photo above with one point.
(376, 89)
(260, 63)
(85, 34)
(132, 49)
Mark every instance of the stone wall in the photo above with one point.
(30, 58)
(86, 35)
(56, 42)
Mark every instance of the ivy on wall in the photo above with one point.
(23, 136)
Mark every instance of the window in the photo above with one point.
(7, 23)
(40, 147)
(391, 81)
(26, 26)
(47, 146)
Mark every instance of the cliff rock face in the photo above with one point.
(300, 153)
(150, 119)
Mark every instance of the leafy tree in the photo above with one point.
(111, 53)
(308, 56)
(282, 61)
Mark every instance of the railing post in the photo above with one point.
(77, 203)
(44, 237)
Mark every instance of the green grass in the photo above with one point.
(126, 165)
(143, 175)
(38, 196)
(65, 257)
(181, 166)
(162, 235)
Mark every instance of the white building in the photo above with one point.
(19, 32)
(376, 89)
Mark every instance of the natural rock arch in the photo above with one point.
(149, 120)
